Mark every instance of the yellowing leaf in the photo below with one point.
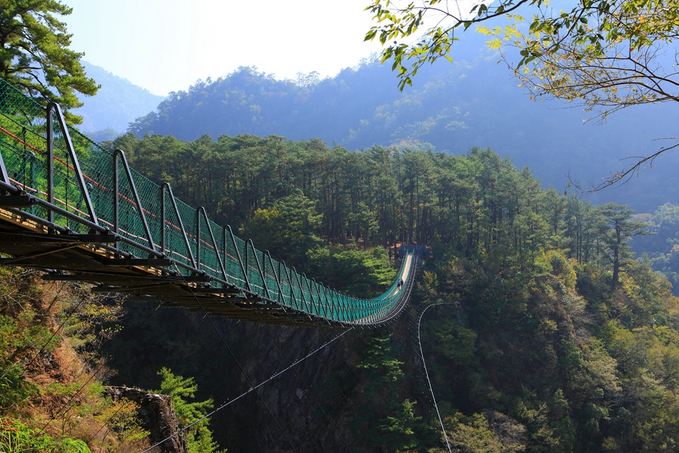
(494, 43)
(511, 31)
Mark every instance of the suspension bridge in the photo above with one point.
(79, 212)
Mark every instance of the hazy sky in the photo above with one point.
(166, 45)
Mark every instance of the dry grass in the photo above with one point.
(68, 401)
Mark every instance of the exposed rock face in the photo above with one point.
(157, 415)
(313, 407)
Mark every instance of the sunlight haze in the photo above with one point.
(167, 45)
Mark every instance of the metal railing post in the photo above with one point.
(267, 254)
(214, 243)
(116, 191)
(280, 268)
(198, 238)
(162, 220)
(181, 224)
(305, 305)
(76, 164)
(243, 264)
(120, 154)
(50, 164)
(3, 172)
(293, 298)
(307, 283)
(246, 271)
(259, 268)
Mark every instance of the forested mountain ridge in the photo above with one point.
(118, 102)
(474, 102)
(554, 338)
(543, 332)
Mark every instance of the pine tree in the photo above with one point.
(182, 390)
(35, 53)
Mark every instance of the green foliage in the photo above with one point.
(541, 435)
(444, 111)
(592, 51)
(661, 245)
(594, 384)
(472, 434)
(290, 195)
(645, 298)
(88, 319)
(622, 229)
(380, 361)
(40, 371)
(379, 410)
(531, 333)
(455, 342)
(16, 437)
(13, 387)
(557, 264)
(649, 365)
(356, 271)
(183, 390)
(122, 417)
(35, 53)
(19, 336)
(288, 229)
(399, 432)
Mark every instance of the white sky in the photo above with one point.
(167, 45)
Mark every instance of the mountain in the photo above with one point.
(118, 103)
(530, 344)
(452, 107)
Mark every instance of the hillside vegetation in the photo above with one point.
(661, 245)
(451, 108)
(51, 399)
(541, 330)
(553, 338)
(550, 336)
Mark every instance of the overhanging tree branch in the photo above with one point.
(625, 175)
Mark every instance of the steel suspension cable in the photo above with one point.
(426, 372)
(242, 370)
(248, 377)
(229, 402)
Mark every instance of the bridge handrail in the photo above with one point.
(80, 186)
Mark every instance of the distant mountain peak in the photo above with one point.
(451, 107)
(115, 106)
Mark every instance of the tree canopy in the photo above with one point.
(35, 52)
(553, 338)
(609, 54)
(606, 53)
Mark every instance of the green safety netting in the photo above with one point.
(178, 231)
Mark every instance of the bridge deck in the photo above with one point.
(88, 260)
(73, 208)
(93, 258)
